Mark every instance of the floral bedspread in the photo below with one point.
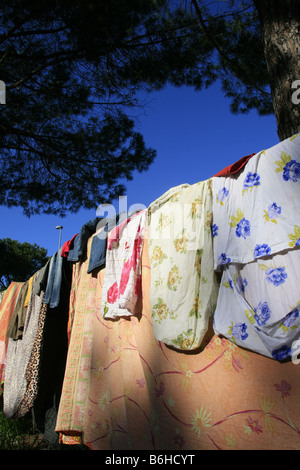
(138, 393)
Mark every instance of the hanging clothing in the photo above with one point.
(51, 363)
(256, 230)
(7, 308)
(54, 280)
(235, 167)
(80, 241)
(97, 258)
(26, 301)
(41, 281)
(67, 246)
(122, 278)
(183, 290)
(16, 324)
(18, 355)
(33, 367)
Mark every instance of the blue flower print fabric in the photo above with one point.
(259, 304)
(256, 237)
(257, 212)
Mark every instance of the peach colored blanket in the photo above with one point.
(123, 390)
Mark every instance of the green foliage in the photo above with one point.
(19, 261)
(18, 434)
(75, 71)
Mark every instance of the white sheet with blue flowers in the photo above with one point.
(256, 233)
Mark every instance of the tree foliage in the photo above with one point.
(75, 71)
(19, 261)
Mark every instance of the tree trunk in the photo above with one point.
(280, 23)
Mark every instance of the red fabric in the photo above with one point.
(67, 246)
(235, 167)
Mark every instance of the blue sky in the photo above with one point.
(195, 136)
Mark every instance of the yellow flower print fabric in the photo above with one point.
(183, 288)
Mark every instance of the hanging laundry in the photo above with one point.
(16, 324)
(26, 301)
(49, 362)
(33, 367)
(54, 279)
(122, 278)
(67, 246)
(257, 213)
(235, 167)
(18, 355)
(97, 256)
(144, 395)
(84, 308)
(41, 281)
(7, 308)
(184, 288)
(256, 230)
(263, 304)
(80, 241)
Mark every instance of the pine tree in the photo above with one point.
(75, 71)
(19, 261)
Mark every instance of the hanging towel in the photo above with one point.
(122, 277)
(183, 289)
(256, 247)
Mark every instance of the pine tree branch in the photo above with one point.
(62, 56)
(234, 66)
